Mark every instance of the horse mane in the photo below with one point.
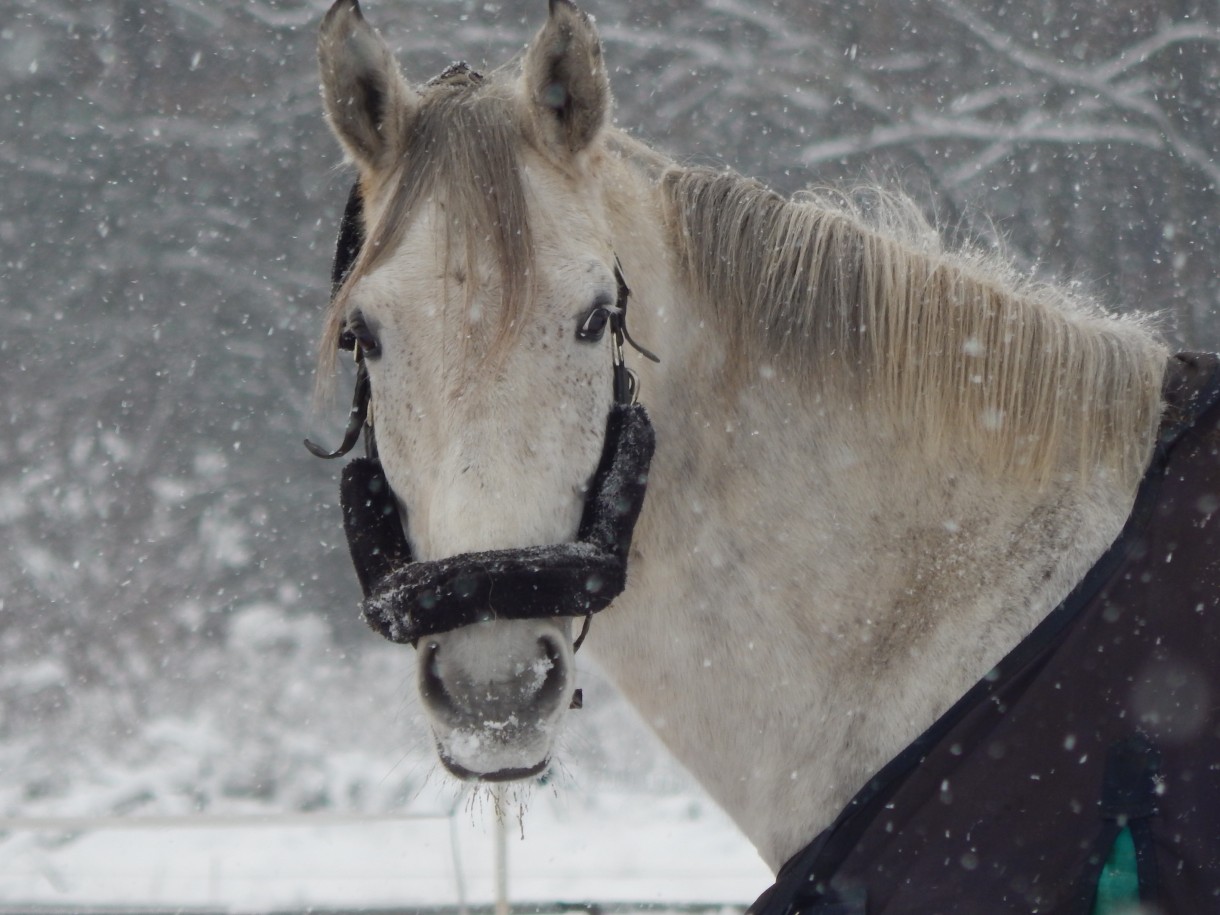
(461, 148)
(860, 290)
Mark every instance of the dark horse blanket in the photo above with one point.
(1097, 736)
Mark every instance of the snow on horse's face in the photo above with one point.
(485, 249)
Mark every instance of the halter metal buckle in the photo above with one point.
(626, 381)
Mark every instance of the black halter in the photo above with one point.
(406, 599)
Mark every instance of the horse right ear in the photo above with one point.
(565, 79)
(368, 103)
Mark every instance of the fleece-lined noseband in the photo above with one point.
(406, 599)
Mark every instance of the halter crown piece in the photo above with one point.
(406, 599)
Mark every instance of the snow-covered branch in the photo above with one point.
(1062, 104)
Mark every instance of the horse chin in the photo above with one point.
(511, 774)
(483, 757)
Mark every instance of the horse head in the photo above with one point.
(478, 302)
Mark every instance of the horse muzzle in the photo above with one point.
(495, 695)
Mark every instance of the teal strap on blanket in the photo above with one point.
(1118, 888)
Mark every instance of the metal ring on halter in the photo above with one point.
(632, 386)
(626, 381)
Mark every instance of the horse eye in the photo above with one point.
(593, 327)
(363, 335)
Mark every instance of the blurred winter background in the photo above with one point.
(178, 630)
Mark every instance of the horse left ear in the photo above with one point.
(565, 79)
(367, 101)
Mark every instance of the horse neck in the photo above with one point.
(810, 592)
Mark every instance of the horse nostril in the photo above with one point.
(432, 687)
(550, 648)
(554, 683)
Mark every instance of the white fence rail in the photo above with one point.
(58, 827)
(73, 824)
(629, 852)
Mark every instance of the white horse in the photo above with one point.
(879, 462)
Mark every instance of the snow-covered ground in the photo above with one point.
(274, 771)
(567, 848)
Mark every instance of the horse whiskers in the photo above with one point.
(501, 800)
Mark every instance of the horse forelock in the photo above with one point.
(857, 292)
(461, 150)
